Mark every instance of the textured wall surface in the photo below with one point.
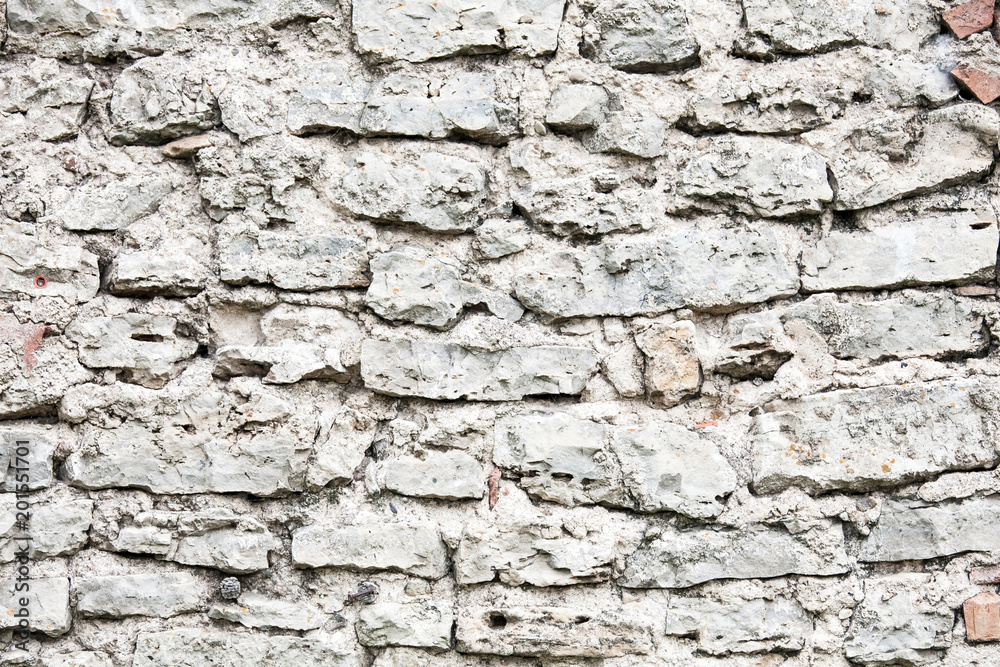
(413, 333)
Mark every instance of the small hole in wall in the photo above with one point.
(562, 476)
(41, 282)
(580, 620)
(497, 620)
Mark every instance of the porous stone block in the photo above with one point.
(56, 528)
(641, 36)
(451, 475)
(201, 648)
(48, 605)
(673, 372)
(740, 626)
(598, 203)
(117, 596)
(257, 611)
(415, 548)
(425, 624)
(34, 268)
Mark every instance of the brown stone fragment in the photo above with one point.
(982, 617)
(975, 290)
(673, 372)
(969, 18)
(983, 85)
(186, 147)
(985, 575)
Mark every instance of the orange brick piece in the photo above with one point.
(985, 87)
(969, 18)
(985, 575)
(982, 617)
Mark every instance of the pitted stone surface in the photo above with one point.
(866, 439)
(57, 528)
(551, 632)
(740, 626)
(641, 36)
(256, 611)
(199, 648)
(589, 205)
(67, 271)
(448, 371)
(683, 558)
(415, 549)
(446, 475)
(623, 278)
(47, 604)
(658, 467)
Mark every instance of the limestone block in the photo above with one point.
(751, 345)
(159, 99)
(499, 237)
(340, 447)
(550, 632)
(715, 270)
(175, 273)
(683, 558)
(866, 439)
(282, 364)
(425, 624)
(40, 445)
(658, 467)
(48, 605)
(594, 204)
(449, 475)
(806, 26)
(56, 528)
(903, 155)
(414, 548)
(576, 107)
(899, 623)
(641, 36)
(199, 648)
(672, 369)
(538, 553)
(637, 134)
(937, 247)
(755, 175)
(435, 191)
(256, 611)
(904, 82)
(212, 538)
(415, 285)
(66, 271)
(111, 206)
(79, 659)
(624, 368)
(917, 531)
(740, 626)
(53, 102)
(118, 596)
(145, 347)
(264, 464)
(449, 371)
(427, 30)
(289, 261)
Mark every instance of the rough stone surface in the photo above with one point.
(641, 36)
(48, 606)
(57, 528)
(755, 175)
(415, 549)
(540, 554)
(416, 286)
(387, 624)
(200, 648)
(436, 29)
(138, 595)
(211, 538)
(899, 623)
(639, 278)
(550, 632)
(67, 271)
(916, 530)
(446, 475)
(596, 204)
(679, 559)
(672, 369)
(255, 611)
(740, 626)
(829, 441)
(661, 466)
(448, 371)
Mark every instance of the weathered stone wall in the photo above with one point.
(544, 332)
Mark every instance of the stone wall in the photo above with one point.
(434, 333)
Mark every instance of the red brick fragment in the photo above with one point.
(985, 575)
(975, 290)
(983, 85)
(969, 18)
(494, 486)
(982, 617)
